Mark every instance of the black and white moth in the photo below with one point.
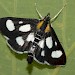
(35, 37)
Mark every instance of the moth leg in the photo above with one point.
(56, 16)
(40, 16)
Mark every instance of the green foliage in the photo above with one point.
(15, 64)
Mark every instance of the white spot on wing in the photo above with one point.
(41, 43)
(20, 41)
(10, 25)
(55, 43)
(49, 42)
(56, 54)
(25, 28)
(30, 37)
(20, 22)
(42, 53)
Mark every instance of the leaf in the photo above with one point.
(15, 64)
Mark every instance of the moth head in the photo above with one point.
(47, 18)
(44, 23)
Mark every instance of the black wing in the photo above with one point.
(16, 31)
(52, 53)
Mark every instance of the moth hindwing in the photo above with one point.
(35, 37)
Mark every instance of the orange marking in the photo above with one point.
(39, 24)
(47, 28)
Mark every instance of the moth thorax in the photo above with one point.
(46, 21)
(43, 27)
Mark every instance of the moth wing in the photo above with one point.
(50, 51)
(18, 45)
(12, 27)
(54, 52)
(39, 56)
(16, 31)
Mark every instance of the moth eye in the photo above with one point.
(56, 54)
(20, 41)
(49, 42)
(25, 28)
(10, 25)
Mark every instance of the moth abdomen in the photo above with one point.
(30, 58)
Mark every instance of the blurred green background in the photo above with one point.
(15, 64)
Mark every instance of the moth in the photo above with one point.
(35, 37)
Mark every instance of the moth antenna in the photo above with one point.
(40, 16)
(56, 16)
